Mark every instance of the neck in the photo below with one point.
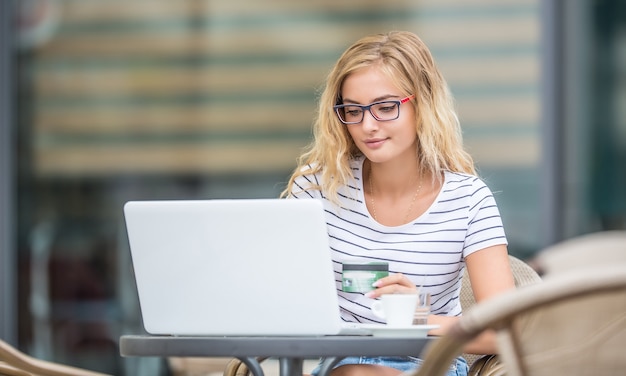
(392, 181)
(392, 198)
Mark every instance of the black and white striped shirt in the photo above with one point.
(429, 250)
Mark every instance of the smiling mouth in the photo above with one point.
(374, 143)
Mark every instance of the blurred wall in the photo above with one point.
(8, 308)
(211, 87)
(200, 86)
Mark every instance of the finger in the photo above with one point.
(391, 289)
(394, 279)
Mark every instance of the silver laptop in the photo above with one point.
(248, 267)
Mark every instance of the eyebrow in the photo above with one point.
(378, 99)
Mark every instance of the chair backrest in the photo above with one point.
(599, 248)
(15, 363)
(573, 324)
(7, 370)
(523, 275)
(570, 323)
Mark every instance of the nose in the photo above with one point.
(369, 122)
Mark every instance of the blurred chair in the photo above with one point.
(523, 275)
(571, 323)
(190, 366)
(599, 248)
(15, 363)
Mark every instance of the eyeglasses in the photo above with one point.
(381, 111)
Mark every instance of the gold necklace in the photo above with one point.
(406, 216)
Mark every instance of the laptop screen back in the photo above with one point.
(233, 267)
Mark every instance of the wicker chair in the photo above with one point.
(599, 248)
(550, 328)
(523, 275)
(574, 322)
(15, 363)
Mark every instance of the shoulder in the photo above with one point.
(306, 183)
(461, 179)
(462, 184)
(311, 176)
(468, 193)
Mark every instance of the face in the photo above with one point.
(380, 141)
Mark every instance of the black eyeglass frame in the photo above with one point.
(368, 107)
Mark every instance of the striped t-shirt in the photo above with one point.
(429, 250)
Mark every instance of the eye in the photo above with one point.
(352, 111)
(387, 107)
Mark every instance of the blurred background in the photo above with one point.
(103, 102)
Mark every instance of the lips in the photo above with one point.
(375, 143)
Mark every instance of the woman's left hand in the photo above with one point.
(393, 284)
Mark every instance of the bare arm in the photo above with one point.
(490, 274)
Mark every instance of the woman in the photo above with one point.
(388, 164)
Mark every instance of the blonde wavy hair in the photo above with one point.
(406, 60)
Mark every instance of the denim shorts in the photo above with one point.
(402, 363)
